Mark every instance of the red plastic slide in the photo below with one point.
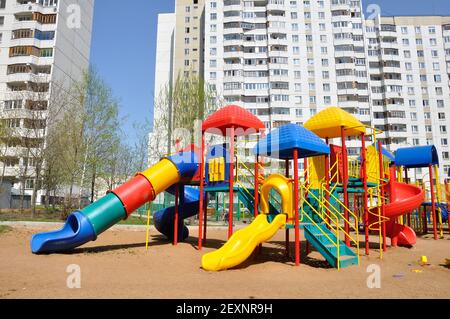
(404, 200)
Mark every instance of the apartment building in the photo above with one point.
(43, 44)
(179, 53)
(286, 60)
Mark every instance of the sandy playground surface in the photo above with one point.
(118, 266)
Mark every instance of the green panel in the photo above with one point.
(105, 212)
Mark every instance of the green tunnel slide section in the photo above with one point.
(100, 221)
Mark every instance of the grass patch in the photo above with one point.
(5, 229)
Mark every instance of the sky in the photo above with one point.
(124, 47)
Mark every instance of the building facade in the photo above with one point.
(44, 48)
(286, 60)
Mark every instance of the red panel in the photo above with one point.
(336, 153)
(233, 116)
(135, 193)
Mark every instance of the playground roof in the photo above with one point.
(416, 157)
(282, 142)
(328, 123)
(244, 122)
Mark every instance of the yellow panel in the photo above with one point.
(162, 175)
(328, 123)
(316, 171)
(373, 165)
(221, 169)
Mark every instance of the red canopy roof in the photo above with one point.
(233, 116)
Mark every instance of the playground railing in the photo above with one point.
(333, 218)
(337, 230)
(327, 204)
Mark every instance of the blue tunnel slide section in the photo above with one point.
(164, 219)
(87, 224)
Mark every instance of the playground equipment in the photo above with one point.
(87, 224)
(436, 194)
(331, 198)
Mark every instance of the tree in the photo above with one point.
(99, 125)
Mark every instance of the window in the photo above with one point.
(415, 129)
(441, 116)
(432, 30)
(213, 16)
(444, 142)
(443, 129)
(445, 155)
(433, 42)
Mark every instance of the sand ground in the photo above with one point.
(118, 266)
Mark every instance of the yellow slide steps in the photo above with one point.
(243, 243)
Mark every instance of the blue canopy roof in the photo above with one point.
(416, 157)
(282, 142)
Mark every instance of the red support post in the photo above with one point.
(256, 194)
(381, 168)
(205, 220)
(287, 244)
(202, 182)
(231, 182)
(366, 191)
(447, 200)
(345, 185)
(424, 212)
(297, 224)
(408, 218)
(433, 202)
(176, 217)
(327, 181)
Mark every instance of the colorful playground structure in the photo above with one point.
(337, 200)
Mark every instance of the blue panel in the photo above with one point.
(282, 142)
(218, 151)
(416, 157)
(164, 219)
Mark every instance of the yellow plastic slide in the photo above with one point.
(243, 243)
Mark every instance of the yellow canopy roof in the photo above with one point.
(328, 123)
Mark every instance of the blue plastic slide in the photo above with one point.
(164, 219)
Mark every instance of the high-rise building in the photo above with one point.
(286, 60)
(43, 44)
(179, 53)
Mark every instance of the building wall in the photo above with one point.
(158, 143)
(287, 60)
(70, 51)
(189, 34)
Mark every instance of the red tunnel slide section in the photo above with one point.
(404, 199)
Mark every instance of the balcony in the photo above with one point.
(27, 77)
(35, 7)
